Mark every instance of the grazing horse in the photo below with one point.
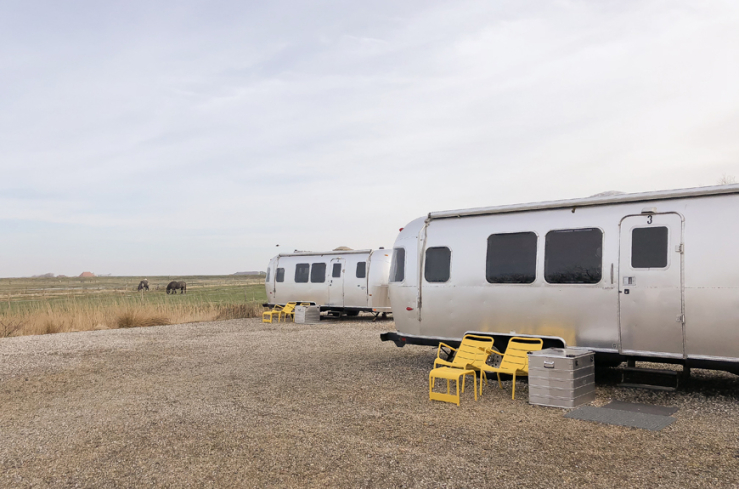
(174, 285)
(144, 285)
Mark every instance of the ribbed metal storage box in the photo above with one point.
(561, 377)
(307, 314)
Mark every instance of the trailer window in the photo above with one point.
(267, 278)
(397, 271)
(302, 270)
(511, 258)
(280, 275)
(574, 256)
(318, 273)
(336, 271)
(649, 247)
(438, 264)
(362, 269)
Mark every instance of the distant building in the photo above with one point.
(46, 275)
(86, 274)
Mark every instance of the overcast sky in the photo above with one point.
(141, 137)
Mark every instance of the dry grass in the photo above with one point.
(70, 316)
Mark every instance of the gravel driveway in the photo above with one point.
(244, 404)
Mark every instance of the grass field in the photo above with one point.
(49, 305)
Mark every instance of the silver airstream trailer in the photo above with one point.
(349, 281)
(647, 276)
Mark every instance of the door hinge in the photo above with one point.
(680, 248)
(680, 318)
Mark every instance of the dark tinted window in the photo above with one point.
(511, 258)
(438, 264)
(398, 269)
(573, 256)
(267, 279)
(649, 247)
(302, 270)
(280, 275)
(336, 271)
(318, 273)
(361, 269)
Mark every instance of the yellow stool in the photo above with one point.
(449, 374)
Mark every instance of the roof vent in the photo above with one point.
(649, 210)
(607, 193)
(342, 248)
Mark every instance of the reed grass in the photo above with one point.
(208, 299)
(85, 316)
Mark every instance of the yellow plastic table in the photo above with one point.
(449, 374)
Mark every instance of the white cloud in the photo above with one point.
(193, 137)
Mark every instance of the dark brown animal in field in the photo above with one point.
(144, 285)
(174, 285)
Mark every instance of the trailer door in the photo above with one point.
(336, 282)
(651, 285)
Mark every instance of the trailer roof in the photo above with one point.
(318, 253)
(591, 201)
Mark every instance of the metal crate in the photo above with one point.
(307, 314)
(561, 377)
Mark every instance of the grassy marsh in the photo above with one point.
(30, 306)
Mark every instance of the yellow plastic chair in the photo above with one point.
(474, 350)
(450, 373)
(288, 309)
(468, 359)
(515, 360)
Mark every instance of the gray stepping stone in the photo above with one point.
(620, 417)
(642, 408)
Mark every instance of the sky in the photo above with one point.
(193, 137)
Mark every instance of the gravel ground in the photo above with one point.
(245, 404)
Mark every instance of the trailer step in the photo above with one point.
(650, 378)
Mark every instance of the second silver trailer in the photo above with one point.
(650, 276)
(347, 281)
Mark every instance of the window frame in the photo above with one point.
(307, 275)
(279, 272)
(364, 270)
(333, 269)
(425, 264)
(667, 248)
(602, 256)
(266, 280)
(537, 275)
(312, 269)
(393, 266)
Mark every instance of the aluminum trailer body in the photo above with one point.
(649, 276)
(350, 281)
